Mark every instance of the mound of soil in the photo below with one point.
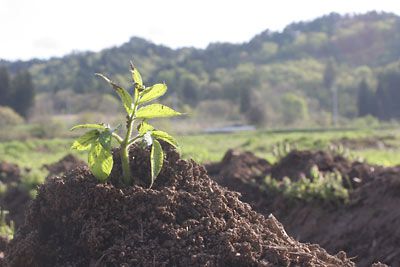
(65, 164)
(297, 164)
(241, 171)
(15, 199)
(366, 228)
(186, 219)
(9, 173)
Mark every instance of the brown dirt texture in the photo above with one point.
(298, 164)
(366, 228)
(186, 219)
(15, 199)
(65, 164)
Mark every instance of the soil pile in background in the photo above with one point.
(240, 171)
(185, 220)
(15, 198)
(9, 173)
(366, 228)
(65, 164)
(298, 164)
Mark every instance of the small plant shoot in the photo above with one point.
(97, 141)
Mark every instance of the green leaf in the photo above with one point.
(100, 126)
(122, 93)
(100, 162)
(105, 139)
(144, 127)
(165, 137)
(156, 111)
(85, 141)
(156, 160)
(125, 98)
(153, 92)
(137, 78)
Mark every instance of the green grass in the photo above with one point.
(263, 143)
(204, 148)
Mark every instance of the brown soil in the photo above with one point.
(240, 171)
(298, 164)
(186, 219)
(15, 199)
(3, 245)
(366, 228)
(9, 173)
(65, 164)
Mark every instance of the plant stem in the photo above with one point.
(126, 169)
(125, 144)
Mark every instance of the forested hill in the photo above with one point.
(268, 66)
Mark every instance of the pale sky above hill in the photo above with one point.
(45, 28)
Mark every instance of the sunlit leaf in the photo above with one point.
(165, 137)
(144, 127)
(156, 111)
(122, 93)
(156, 160)
(85, 141)
(137, 78)
(100, 126)
(105, 139)
(153, 92)
(100, 162)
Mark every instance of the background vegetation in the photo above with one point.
(276, 79)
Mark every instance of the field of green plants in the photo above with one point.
(378, 146)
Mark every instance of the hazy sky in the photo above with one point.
(45, 28)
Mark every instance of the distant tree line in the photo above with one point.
(384, 102)
(16, 92)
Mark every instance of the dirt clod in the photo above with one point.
(186, 219)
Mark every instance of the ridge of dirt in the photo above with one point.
(65, 164)
(366, 228)
(9, 172)
(186, 219)
(298, 164)
(14, 199)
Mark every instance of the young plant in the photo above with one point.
(97, 141)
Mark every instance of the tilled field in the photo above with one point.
(366, 227)
(189, 219)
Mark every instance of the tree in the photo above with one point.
(294, 108)
(365, 100)
(190, 85)
(245, 99)
(5, 88)
(329, 83)
(388, 95)
(24, 93)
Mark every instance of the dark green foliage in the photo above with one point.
(330, 74)
(388, 95)
(5, 88)
(23, 93)
(365, 100)
(17, 93)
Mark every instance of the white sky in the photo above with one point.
(45, 28)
